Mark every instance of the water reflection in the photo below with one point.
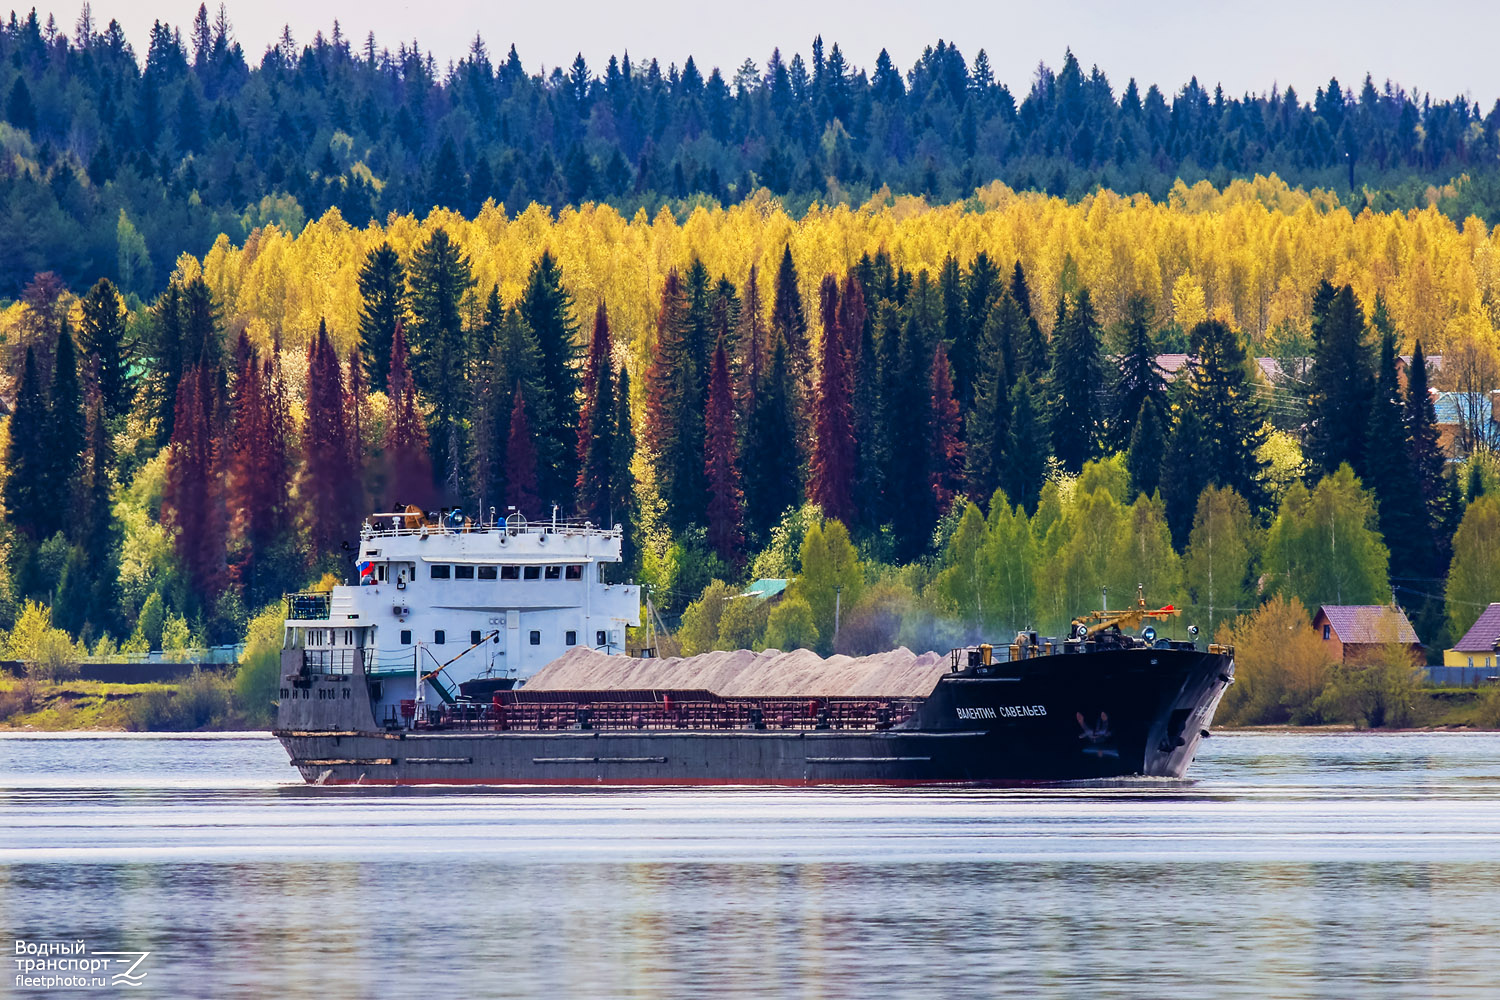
(1291, 867)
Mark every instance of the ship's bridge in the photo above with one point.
(475, 598)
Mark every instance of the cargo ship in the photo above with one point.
(494, 653)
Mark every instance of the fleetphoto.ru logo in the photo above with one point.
(51, 965)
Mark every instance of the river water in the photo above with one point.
(1340, 866)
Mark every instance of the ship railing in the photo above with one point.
(504, 714)
(309, 605)
(409, 526)
(337, 661)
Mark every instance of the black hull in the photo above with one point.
(1105, 714)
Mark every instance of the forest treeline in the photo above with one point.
(120, 156)
(951, 452)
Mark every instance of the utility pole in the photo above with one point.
(838, 597)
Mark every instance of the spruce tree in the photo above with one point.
(1231, 418)
(28, 505)
(101, 334)
(329, 485)
(945, 434)
(547, 308)
(1025, 461)
(789, 324)
(408, 473)
(721, 469)
(674, 420)
(831, 484)
(1031, 353)
(1429, 464)
(750, 338)
(382, 292)
(622, 504)
(1141, 383)
(167, 366)
(981, 288)
(440, 276)
(1389, 473)
(191, 507)
(771, 477)
(63, 440)
(596, 425)
(1341, 384)
(1074, 384)
(954, 333)
(1184, 472)
(1148, 444)
(520, 461)
(988, 428)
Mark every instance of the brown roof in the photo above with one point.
(1369, 623)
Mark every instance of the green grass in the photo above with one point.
(68, 705)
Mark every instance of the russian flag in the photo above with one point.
(366, 573)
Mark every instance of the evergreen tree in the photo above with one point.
(1031, 354)
(946, 446)
(832, 480)
(329, 483)
(64, 437)
(750, 339)
(1184, 472)
(721, 471)
(99, 534)
(1429, 464)
(789, 325)
(547, 308)
(1390, 475)
(674, 421)
(408, 477)
(28, 506)
(1025, 462)
(622, 506)
(1341, 383)
(1141, 383)
(771, 477)
(596, 425)
(382, 291)
(520, 460)
(440, 276)
(1148, 444)
(981, 289)
(1231, 418)
(989, 417)
(1074, 384)
(191, 502)
(167, 359)
(101, 334)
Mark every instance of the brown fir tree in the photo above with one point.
(831, 484)
(726, 533)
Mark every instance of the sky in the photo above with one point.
(1247, 47)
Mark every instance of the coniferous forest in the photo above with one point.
(952, 358)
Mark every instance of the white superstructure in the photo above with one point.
(444, 600)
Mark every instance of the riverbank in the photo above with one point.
(203, 705)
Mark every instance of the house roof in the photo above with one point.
(1454, 407)
(1369, 623)
(1482, 635)
(765, 588)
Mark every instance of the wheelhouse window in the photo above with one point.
(536, 637)
(440, 572)
(510, 572)
(599, 638)
(487, 572)
(570, 637)
(406, 637)
(533, 572)
(554, 572)
(463, 572)
(574, 572)
(439, 637)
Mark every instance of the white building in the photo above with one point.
(450, 601)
